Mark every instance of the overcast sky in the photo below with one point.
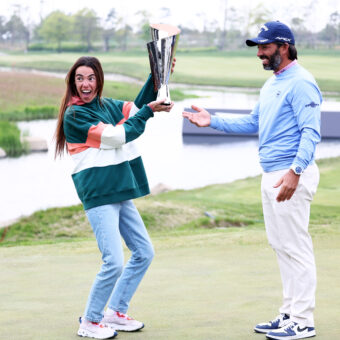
(183, 12)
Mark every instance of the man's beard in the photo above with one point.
(274, 61)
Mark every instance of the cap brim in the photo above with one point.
(252, 42)
(259, 41)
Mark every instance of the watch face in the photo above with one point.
(298, 170)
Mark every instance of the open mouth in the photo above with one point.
(86, 95)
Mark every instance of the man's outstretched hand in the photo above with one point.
(201, 118)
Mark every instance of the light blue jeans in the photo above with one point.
(116, 283)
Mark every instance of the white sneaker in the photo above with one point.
(122, 322)
(292, 331)
(95, 330)
(280, 321)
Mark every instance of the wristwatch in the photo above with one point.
(297, 169)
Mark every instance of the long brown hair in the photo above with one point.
(70, 92)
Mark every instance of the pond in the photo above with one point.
(38, 181)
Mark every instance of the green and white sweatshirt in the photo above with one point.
(108, 166)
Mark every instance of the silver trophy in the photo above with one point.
(162, 50)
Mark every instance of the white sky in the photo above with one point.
(183, 12)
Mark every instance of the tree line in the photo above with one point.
(85, 31)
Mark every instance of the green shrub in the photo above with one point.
(40, 112)
(10, 139)
(65, 47)
(30, 113)
(41, 47)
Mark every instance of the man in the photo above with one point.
(287, 119)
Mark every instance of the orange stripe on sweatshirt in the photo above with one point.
(127, 106)
(74, 148)
(94, 136)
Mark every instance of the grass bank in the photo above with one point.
(233, 206)
(27, 96)
(209, 279)
(235, 68)
(10, 140)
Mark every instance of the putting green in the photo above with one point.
(209, 286)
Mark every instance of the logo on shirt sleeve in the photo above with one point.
(312, 104)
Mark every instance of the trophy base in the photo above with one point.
(163, 93)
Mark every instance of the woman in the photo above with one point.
(98, 133)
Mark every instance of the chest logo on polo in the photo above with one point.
(312, 104)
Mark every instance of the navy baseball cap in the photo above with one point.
(273, 31)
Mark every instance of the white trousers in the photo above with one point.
(287, 231)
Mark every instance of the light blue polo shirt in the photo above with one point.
(286, 117)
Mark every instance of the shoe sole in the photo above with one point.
(122, 328)
(262, 331)
(86, 334)
(293, 337)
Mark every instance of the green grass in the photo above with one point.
(209, 279)
(10, 139)
(235, 68)
(182, 212)
(213, 285)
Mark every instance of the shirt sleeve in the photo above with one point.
(243, 125)
(111, 136)
(306, 101)
(145, 96)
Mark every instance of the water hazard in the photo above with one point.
(37, 181)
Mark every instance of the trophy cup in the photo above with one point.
(162, 50)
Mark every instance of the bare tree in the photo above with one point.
(16, 31)
(123, 34)
(331, 33)
(109, 29)
(144, 24)
(335, 22)
(223, 37)
(256, 17)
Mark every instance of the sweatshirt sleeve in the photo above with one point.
(133, 127)
(147, 94)
(83, 132)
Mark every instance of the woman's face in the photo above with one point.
(86, 83)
